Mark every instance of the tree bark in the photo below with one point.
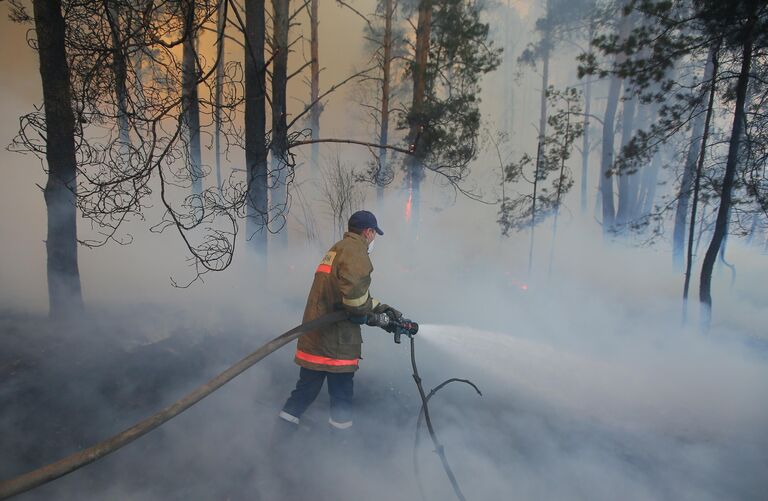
(280, 173)
(585, 136)
(683, 199)
(64, 291)
(384, 112)
(721, 223)
(606, 159)
(255, 127)
(559, 192)
(626, 180)
(314, 92)
(120, 70)
(220, 27)
(545, 50)
(415, 162)
(697, 179)
(190, 104)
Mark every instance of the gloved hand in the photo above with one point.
(385, 308)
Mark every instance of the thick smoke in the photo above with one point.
(591, 388)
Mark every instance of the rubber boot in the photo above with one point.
(283, 433)
(341, 438)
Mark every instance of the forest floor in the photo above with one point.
(66, 387)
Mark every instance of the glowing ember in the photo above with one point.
(408, 206)
(517, 283)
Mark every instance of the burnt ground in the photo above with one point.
(66, 387)
(63, 388)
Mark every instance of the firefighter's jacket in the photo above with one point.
(341, 281)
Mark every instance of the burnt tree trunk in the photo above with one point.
(190, 103)
(255, 127)
(606, 159)
(686, 183)
(721, 224)
(64, 292)
(120, 71)
(221, 24)
(280, 171)
(627, 181)
(415, 162)
(314, 89)
(383, 172)
(696, 175)
(585, 137)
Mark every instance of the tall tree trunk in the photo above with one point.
(697, 181)
(721, 224)
(681, 210)
(648, 184)
(280, 173)
(560, 181)
(415, 162)
(545, 53)
(539, 148)
(383, 173)
(64, 292)
(190, 104)
(606, 159)
(120, 70)
(509, 97)
(753, 229)
(713, 59)
(221, 23)
(585, 136)
(255, 127)
(314, 91)
(626, 180)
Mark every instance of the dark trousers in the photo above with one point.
(308, 387)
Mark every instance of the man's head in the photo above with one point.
(364, 223)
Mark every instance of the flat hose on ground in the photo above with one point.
(40, 476)
(439, 449)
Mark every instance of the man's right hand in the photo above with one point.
(391, 312)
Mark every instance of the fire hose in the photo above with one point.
(398, 327)
(40, 476)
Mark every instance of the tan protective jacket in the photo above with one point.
(341, 281)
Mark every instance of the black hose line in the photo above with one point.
(439, 449)
(40, 476)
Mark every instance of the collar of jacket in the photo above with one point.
(355, 236)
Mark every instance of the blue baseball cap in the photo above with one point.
(364, 219)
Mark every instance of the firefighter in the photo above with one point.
(342, 280)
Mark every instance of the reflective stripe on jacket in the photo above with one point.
(341, 280)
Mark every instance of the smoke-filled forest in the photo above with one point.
(565, 300)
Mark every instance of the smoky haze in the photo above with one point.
(591, 389)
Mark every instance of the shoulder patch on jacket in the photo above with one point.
(326, 263)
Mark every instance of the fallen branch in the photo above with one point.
(350, 141)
